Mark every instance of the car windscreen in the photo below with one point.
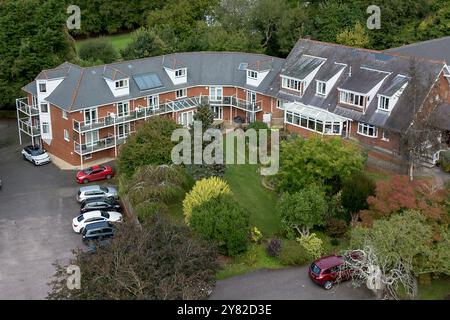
(315, 269)
(87, 171)
(104, 189)
(36, 152)
(80, 218)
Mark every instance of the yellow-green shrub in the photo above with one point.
(203, 191)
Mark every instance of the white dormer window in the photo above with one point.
(352, 99)
(291, 84)
(321, 88)
(383, 103)
(252, 74)
(42, 87)
(180, 73)
(122, 84)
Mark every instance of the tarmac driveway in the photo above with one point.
(37, 205)
(283, 284)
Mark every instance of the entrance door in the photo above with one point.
(91, 138)
(90, 116)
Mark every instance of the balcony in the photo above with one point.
(100, 145)
(29, 129)
(23, 106)
(170, 106)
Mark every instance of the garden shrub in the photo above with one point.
(203, 191)
(274, 247)
(336, 228)
(224, 221)
(98, 50)
(255, 235)
(355, 191)
(313, 245)
(293, 254)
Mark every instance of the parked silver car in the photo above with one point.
(96, 192)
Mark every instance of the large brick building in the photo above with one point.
(84, 114)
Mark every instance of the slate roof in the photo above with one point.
(302, 66)
(436, 49)
(363, 80)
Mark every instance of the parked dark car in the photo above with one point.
(98, 231)
(106, 204)
(329, 270)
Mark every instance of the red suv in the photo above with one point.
(95, 173)
(327, 271)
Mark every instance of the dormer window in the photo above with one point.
(352, 99)
(383, 103)
(291, 84)
(180, 73)
(252, 74)
(321, 88)
(122, 84)
(42, 87)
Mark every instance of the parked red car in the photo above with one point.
(94, 173)
(329, 270)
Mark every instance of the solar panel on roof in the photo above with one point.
(147, 81)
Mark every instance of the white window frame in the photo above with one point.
(188, 120)
(87, 156)
(65, 115)
(383, 137)
(218, 112)
(321, 88)
(352, 98)
(280, 104)
(291, 84)
(181, 93)
(121, 84)
(215, 93)
(179, 73)
(46, 106)
(94, 138)
(90, 111)
(125, 127)
(121, 104)
(364, 130)
(155, 100)
(44, 126)
(40, 88)
(305, 122)
(66, 135)
(382, 101)
(252, 74)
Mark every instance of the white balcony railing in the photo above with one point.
(28, 128)
(23, 106)
(101, 144)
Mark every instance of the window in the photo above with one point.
(122, 84)
(66, 135)
(42, 87)
(218, 112)
(123, 130)
(65, 115)
(87, 156)
(291, 84)
(385, 136)
(383, 103)
(91, 138)
(45, 127)
(90, 115)
(367, 130)
(123, 109)
(215, 93)
(180, 73)
(352, 99)
(312, 124)
(153, 102)
(186, 118)
(181, 93)
(321, 88)
(280, 104)
(252, 74)
(44, 107)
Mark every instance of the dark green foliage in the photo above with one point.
(151, 144)
(202, 171)
(205, 115)
(145, 44)
(355, 191)
(98, 50)
(33, 37)
(257, 125)
(293, 254)
(223, 221)
(156, 262)
(336, 228)
(274, 247)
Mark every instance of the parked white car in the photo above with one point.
(80, 222)
(36, 155)
(96, 191)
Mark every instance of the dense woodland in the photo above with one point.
(41, 40)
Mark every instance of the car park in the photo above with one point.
(80, 222)
(94, 173)
(327, 271)
(101, 203)
(96, 192)
(36, 155)
(98, 231)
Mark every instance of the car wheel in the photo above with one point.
(85, 181)
(108, 176)
(328, 285)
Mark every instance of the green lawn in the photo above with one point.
(245, 182)
(119, 41)
(437, 290)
